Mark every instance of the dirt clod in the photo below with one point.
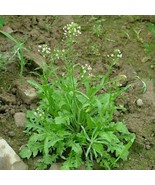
(25, 91)
(20, 119)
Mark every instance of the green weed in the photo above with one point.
(2, 21)
(97, 30)
(149, 47)
(74, 120)
(95, 50)
(3, 62)
(18, 49)
(139, 38)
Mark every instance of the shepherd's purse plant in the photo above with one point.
(74, 123)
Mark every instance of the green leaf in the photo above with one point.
(37, 137)
(59, 120)
(49, 159)
(41, 165)
(121, 127)
(89, 164)
(99, 105)
(60, 148)
(76, 148)
(66, 165)
(35, 84)
(53, 141)
(109, 137)
(90, 122)
(124, 153)
(2, 20)
(117, 127)
(151, 27)
(35, 147)
(98, 147)
(77, 161)
(25, 153)
(9, 36)
(46, 146)
(106, 102)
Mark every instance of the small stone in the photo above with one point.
(139, 102)
(9, 160)
(13, 90)
(19, 103)
(147, 147)
(83, 167)
(116, 113)
(33, 106)
(12, 111)
(20, 119)
(55, 166)
(26, 92)
(36, 59)
(7, 29)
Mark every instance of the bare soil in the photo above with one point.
(118, 32)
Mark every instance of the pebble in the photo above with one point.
(9, 160)
(25, 91)
(55, 166)
(20, 119)
(147, 147)
(13, 90)
(139, 102)
(33, 106)
(12, 111)
(116, 113)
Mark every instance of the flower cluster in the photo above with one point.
(116, 54)
(72, 29)
(44, 50)
(57, 54)
(86, 70)
(39, 112)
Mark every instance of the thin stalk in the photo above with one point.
(70, 69)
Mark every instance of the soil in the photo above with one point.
(117, 32)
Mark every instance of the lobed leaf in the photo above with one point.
(25, 153)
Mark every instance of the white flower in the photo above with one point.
(119, 55)
(71, 29)
(89, 68)
(82, 67)
(44, 49)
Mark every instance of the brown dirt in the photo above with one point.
(118, 32)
